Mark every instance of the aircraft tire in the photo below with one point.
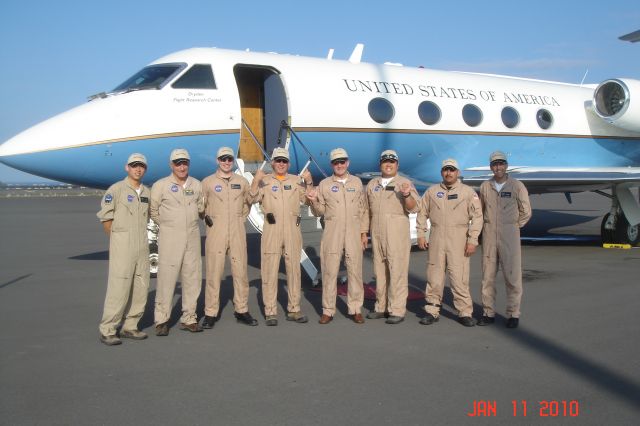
(625, 233)
(606, 235)
(153, 260)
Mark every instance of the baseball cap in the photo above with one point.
(137, 158)
(338, 154)
(280, 153)
(450, 162)
(497, 156)
(389, 154)
(179, 154)
(225, 151)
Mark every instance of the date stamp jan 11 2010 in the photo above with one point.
(524, 408)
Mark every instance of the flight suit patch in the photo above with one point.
(505, 195)
(235, 186)
(188, 192)
(274, 188)
(174, 188)
(108, 198)
(218, 188)
(129, 198)
(440, 194)
(144, 200)
(334, 188)
(452, 197)
(377, 188)
(287, 187)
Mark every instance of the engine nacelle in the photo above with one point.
(613, 102)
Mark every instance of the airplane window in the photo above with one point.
(381, 110)
(510, 117)
(429, 112)
(198, 76)
(545, 119)
(151, 77)
(471, 115)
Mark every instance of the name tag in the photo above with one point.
(390, 188)
(235, 186)
(287, 187)
(188, 192)
(452, 197)
(351, 190)
(505, 194)
(144, 200)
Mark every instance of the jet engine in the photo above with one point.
(612, 102)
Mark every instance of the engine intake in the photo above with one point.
(612, 100)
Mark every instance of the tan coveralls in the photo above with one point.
(128, 283)
(344, 209)
(504, 214)
(391, 243)
(175, 209)
(456, 220)
(227, 202)
(282, 199)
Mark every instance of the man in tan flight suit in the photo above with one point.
(456, 221)
(341, 200)
(506, 208)
(280, 195)
(227, 203)
(390, 199)
(176, 203)
(124, 215)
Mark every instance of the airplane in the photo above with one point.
(559, 137)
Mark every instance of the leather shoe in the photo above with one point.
(194, 327)
(358, 318)
(298, 317)
(377, 315)
(394, 319)
(271, 320)
(429, 319)
(208, 322)
(245, 318)
(485, 320)
(513, 322)
(110, 340)
(133, 334)
(325, 319)
(467, 321)
(162, 329)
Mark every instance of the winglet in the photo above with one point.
(356, 55)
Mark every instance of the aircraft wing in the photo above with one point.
(541, 180)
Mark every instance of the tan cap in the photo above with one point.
(450, 162)
(179, 154)
(338, 154)
(389, 154)
(280, 153)
(225, 151)
(137, 158)
(497, 156)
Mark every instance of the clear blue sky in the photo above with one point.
(56, 53)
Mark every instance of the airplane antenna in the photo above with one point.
(584, 77)
(330, 54)
(356, 55)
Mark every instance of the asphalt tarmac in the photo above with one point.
(573, 360)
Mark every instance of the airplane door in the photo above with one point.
(263, 104)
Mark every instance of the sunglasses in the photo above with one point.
(181, 162)
(281, 160)
(226, 159)
(449, 169)
(334, 162)
(138, 165)
(498, 162)
(388, 160)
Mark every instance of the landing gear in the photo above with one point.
(616, 230)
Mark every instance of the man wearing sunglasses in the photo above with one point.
(390, 199)
(505, 201)
(176, 203)
(280, 195)
(227, 203)
(341, 200)
(456, 221)
(124, 214)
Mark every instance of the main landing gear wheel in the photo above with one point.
(625, 233)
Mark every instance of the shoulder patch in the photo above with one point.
(108, 198)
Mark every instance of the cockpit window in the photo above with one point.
(198, 76)
(151, 77)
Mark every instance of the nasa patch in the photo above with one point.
(174, 188)
(440, 194)
(334, 188)
(129, 198)
(108, 198)
(377, 188)
(218, 188)
(274, 188)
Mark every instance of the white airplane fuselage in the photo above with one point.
(327, 104)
